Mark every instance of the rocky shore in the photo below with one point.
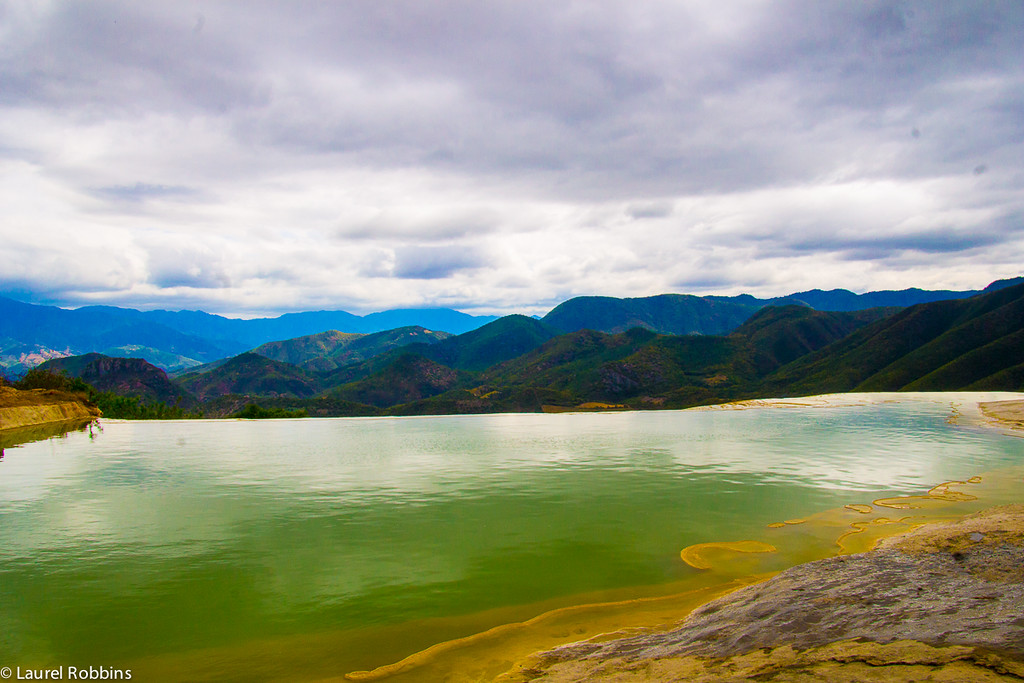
(944, 602)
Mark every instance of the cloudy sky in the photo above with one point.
(501, 156)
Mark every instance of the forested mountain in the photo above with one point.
(687, 314)
(47, 331)
(518, 363)
(505, 338)
(123, 376)
(975, 343)
(784, 333)
(845, 300)
(407, 377)
(333, 349)
(666, 313)
(248, 334)
(251, 375)
(180, 340)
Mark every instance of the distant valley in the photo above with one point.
(670, 351)
(180, 340)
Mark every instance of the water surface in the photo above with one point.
(351, 543)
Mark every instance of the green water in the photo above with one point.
(152, 541)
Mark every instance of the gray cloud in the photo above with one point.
(142, 191)
(450, 223)
(377, 154)
(881, 248)
(650, 210)
(184, 269)
(432, 263)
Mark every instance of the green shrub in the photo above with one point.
(119, 407)
(254, 412)
(37, 378)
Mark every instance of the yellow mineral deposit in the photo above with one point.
(486, 656)
(788, 522)
(697, 555)
(849, 529)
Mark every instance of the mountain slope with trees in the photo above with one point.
(180, 340)
(49, 329)
(665, 313)
(333, 349)
(134, 377)
(945, 345)
(251, 375)
(518, 363)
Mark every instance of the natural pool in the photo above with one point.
(305, 549)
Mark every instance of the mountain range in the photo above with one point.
(181, 340)
(519, 363)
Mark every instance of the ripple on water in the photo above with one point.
(382, 537)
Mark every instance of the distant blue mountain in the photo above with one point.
(688, 314)
(664, 313)
(176, 340)
(30, 333)
(845, 300)
(252, 333)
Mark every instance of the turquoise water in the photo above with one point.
(150, 540)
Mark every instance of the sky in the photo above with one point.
(503, 156)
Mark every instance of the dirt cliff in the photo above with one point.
(19, 409)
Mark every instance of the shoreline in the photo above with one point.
(966, 410)
(1007, 415)
(943, 601)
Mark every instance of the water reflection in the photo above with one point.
(23, 435)
(164, 539)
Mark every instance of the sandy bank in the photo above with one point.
(1005, 414)
(21, 409)
(944, 602)
(999, 409)
(968, 401)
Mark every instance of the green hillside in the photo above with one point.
(463, 401)
(317, 406)
(642, 369)
(945, 345)
(495, 342)
(476, 350)
(302, 349)
(252, 375)
(665, 313)
(518, 363)
(332, 349)
(132, 377)
(781, 334)
(406, 378)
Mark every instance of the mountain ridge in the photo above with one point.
(518, 363)
(183, 340)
